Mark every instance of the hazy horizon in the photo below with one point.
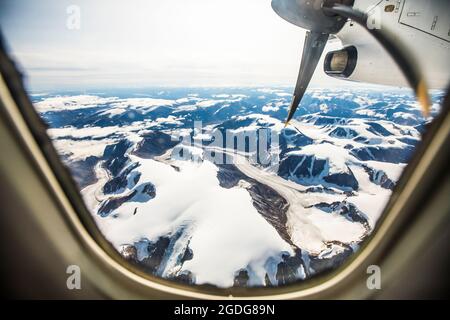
(175, 43)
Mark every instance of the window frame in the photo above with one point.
(401, 209)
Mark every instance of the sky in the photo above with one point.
(145, 43)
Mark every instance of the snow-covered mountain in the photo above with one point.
(172, 209)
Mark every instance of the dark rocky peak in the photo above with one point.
(379, 177)
(378, 129)
(290, 138)
(344, 208)
(383, 154)
(307, 170)
(154, 143)
(115, 156)
(342, 132)
(118, 183)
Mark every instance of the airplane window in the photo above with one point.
(199, 212)
(171, 119)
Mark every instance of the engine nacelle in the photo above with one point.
(341, 63)
(363, 64)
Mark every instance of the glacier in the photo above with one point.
(242, 222)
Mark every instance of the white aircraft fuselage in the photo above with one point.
(422, 26)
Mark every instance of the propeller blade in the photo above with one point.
(312, 50)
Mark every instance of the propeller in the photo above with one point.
(323, 18)
(312, 50)
(308, 14)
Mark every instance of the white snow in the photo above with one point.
(337, 157)
(270, 107)
(113, 112)
(71, 102)
(224, 230)
(81, 149)
(170, 120)
(219, 221)
(142, 103)
(86, 132)
(403, 115)
(117, 105)
(371, 198)
(209, 103)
